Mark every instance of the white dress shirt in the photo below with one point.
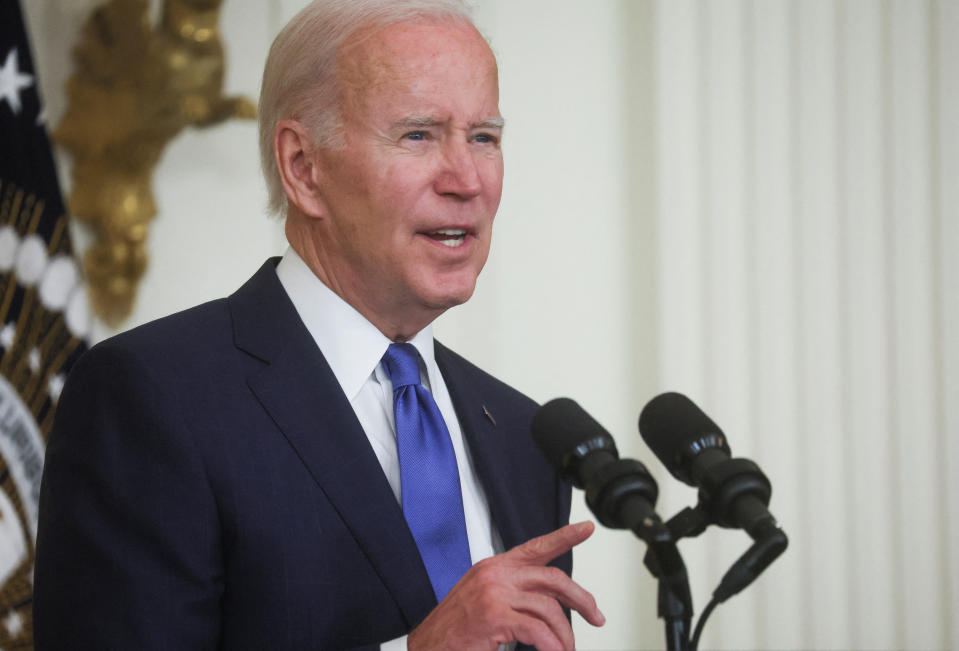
(354, 348)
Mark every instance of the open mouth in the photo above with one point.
(451, 237)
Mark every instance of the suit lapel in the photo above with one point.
(490, 444)
(301, 394)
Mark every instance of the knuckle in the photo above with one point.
(484, 563)
(486, 573)
(556, 575)
(538, 546)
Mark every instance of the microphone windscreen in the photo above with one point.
(561, 425)
(671, 424)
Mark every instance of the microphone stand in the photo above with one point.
(734, 494)
(769, 541)
(674, 600)
(620, 494)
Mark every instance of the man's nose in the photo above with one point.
(459, 175)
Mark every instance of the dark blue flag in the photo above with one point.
(43, 317)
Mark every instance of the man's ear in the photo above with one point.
(295, 155)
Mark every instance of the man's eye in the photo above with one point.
(415, 135)
(486, 138)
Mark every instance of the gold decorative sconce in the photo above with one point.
(135, 87)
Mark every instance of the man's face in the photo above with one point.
(412, 193)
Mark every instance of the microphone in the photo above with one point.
(734, 493)
(620, 492)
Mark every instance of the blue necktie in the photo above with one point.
(432, 501)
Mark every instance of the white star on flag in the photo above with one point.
(13, 622)
(12, 81)
(7, 333)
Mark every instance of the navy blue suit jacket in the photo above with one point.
(207, 485)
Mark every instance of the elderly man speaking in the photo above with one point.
(300, 465)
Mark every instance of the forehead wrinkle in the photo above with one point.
(363, 73)
(368, 63)
(373, 46)
(363, 66)
(368, 59)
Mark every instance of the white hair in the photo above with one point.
(300, 77)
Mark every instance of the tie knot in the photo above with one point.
(402, 365)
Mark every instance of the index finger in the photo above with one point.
(541, 550)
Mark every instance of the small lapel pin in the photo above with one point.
(489, 415)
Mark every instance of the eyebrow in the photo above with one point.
(423, 122)
(492, 123)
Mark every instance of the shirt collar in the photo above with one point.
(352, 346)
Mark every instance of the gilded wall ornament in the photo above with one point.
(135, 87)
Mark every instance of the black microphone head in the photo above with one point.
(565, 434)
(676, 430)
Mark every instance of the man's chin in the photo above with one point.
(444, 299)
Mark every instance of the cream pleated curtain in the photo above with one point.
(807, 159)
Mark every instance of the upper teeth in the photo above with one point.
(454, 236)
